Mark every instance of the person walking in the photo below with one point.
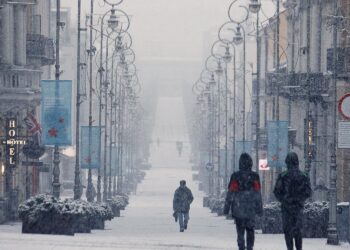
(244, 199)
(181, 204)
(292, 189)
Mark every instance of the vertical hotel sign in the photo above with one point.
(56, 111)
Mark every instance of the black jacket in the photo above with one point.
(182, 199)
(293, 186)
(244, 193)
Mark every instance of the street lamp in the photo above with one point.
(238, 38)
(115, 25)
(113, 20)
(254, 6)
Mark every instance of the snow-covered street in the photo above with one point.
(147, 223)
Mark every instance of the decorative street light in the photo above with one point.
(116, 26)
(254, 6)
(238, 38)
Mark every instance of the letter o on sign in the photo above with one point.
(344, 106)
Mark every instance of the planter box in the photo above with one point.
(206, 201)
(117, 213)
(81, 224)
(49, 224)
(97, 224)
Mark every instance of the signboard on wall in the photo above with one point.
(344, 135)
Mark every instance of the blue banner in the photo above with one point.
(56, 112)
(277, 143)
(240, 148)
(90, 142)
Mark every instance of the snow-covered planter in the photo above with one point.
(315, 219)
(272, 219)
(117, 203)
(44, 214)
(206, 201)
(102, 212)
(216, 204)
(81, 211)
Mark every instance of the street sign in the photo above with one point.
(263, 166)
(344, 106)
(344, 135)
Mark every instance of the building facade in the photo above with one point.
(26, 53)
(300, 89)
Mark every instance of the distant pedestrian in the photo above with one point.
(292, 190)
(244, 199)
(181, 204)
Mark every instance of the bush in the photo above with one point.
(315, 219)
(45, 214)
(272, 219)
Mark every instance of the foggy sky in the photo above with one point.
(169, 28)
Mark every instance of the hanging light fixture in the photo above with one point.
(212, 80)
(119, 44)
(219, 70)
(238, 38)
(113, 21)
(254, 6)
(227, 57)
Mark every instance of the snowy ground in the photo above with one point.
(148, 223)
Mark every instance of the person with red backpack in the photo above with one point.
(292, 189)
(244, 199)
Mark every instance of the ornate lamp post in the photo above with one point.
(114, 24)
(226, 58)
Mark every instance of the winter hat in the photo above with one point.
(245, 162)
(292, 160)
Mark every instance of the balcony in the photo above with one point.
(343, 61)
(41, 48)
(19, 87)
(297, 85)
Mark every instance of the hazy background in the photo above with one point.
(171, 38)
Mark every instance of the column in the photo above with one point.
(6, 50)
(20, 33)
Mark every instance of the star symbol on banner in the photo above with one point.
(53, 132)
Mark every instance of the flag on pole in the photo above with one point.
(34, 127)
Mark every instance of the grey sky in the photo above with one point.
(169, 28)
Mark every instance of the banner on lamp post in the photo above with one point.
(277, 143)
(56, 112)
(90, 143)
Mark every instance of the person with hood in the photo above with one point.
(181, 204)
(244, 199)
(292, 189)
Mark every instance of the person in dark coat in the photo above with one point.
(292, 189)
(181, 204)
(244, 199)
